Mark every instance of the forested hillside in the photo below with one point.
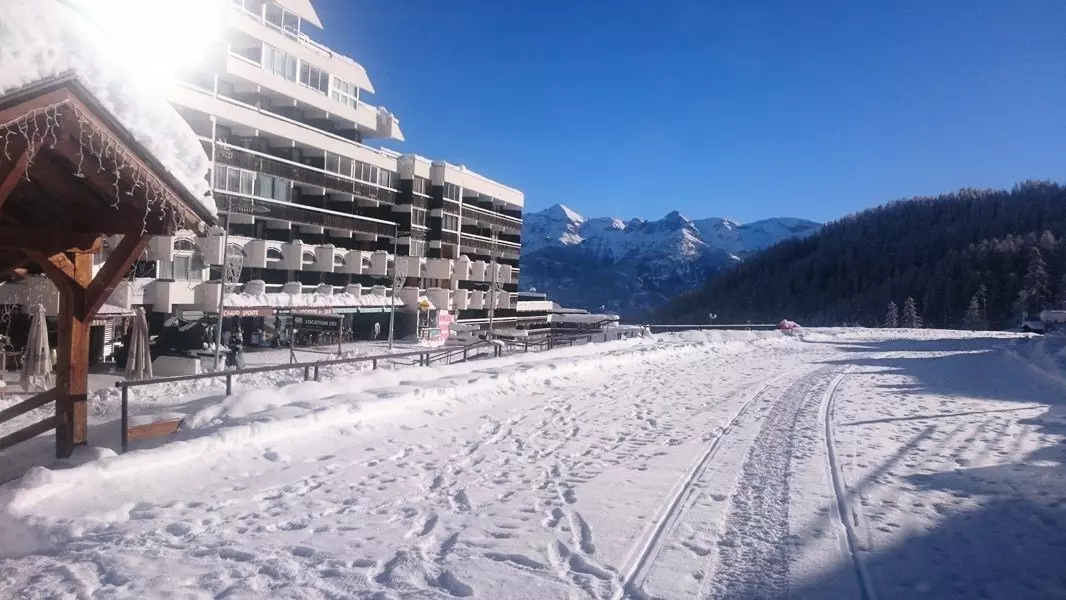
(973, 259)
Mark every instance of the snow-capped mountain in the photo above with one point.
(633, 267)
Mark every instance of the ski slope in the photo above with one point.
(849, 464)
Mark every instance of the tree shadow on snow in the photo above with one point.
(1011, 546)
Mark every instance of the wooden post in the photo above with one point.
(72, 368)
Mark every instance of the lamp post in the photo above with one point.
(492, 288)
(233, 271)
(399, 274)
(222, 292)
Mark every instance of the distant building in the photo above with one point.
(316, 216)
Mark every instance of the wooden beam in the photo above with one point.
(11, 173)
(28, 433)
(27, 405)
(154, 430)
(72, 369)
(46, 240)
(61, 271)
(116, 267)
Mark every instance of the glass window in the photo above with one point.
(233, 180)
(420, 185)
(344, 92)
(290, 22)
(275, 14)
(450, 222)
(274, 255)
(418, 216)
(451, 191)
(247, 182)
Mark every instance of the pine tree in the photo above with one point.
(892, 317)
(973, 320)
(1034, 296)
(911, 318)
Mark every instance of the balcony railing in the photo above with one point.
(284, 211)
(486, 218)
(242, 158)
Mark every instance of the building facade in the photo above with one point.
(316, 217)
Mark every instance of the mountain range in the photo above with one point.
(634, 267)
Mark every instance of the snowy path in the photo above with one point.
(644, 472)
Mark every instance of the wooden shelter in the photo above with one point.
(70, 174)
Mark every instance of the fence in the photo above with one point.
(313, 370)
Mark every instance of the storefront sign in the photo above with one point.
(321, 323)
(247, 312)
(309, 310)
(444, 324)
(350, 310)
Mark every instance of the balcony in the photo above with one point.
(287, 213)
(259, 162)
(441, 298)
(439, 268)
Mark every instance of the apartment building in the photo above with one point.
(319, 215)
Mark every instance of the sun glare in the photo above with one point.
(163, 36)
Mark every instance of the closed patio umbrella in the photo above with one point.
(37, 367)
(139, 359)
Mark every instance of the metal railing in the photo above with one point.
(313, 370)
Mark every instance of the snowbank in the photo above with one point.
(43, 38)
(266, 415)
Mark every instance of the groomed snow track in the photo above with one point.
(643, 553)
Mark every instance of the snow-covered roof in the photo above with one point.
(43, 39)
(283, 300)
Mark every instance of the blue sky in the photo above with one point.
(737, 109)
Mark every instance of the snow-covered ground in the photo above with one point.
(847, 464)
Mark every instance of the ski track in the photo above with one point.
(644, 553)
(745, 474)
(754, 556)
(505, 492)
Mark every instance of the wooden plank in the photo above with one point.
(47, 240)
(14, 174)
(28, 433)
(113, 271)
(154, 430)
(27, 405)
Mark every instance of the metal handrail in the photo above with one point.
(312, 370)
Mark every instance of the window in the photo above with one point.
(339, 164)
(450, 222)
(365, 172)
(279, 62)
(232, 179)
(344, 92)
(314, 78)
(274, 255)
(338, 260)
(420, 185)
(451, 192)
(282, 19)
(418, 216)
(417, 248)
(188, 264)
(388, 179)
(309, 259)
(267, 186)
